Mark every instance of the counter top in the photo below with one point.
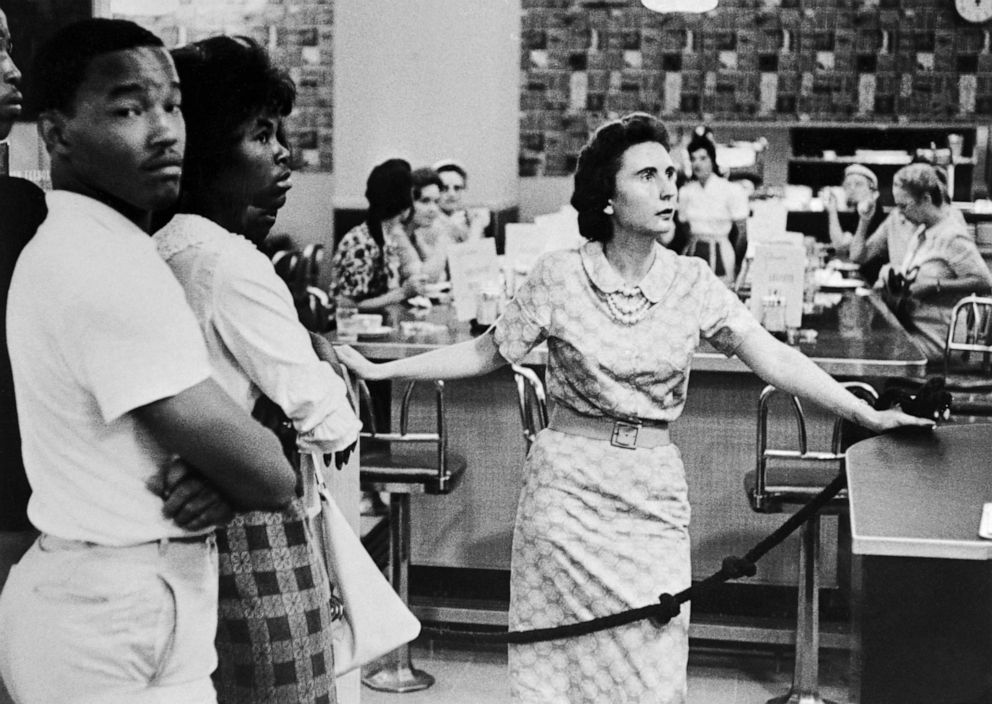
(920, 494)
(858, 338)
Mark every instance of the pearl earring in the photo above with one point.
(608, 209)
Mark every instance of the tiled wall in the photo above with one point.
(297, 34)
(887, 61)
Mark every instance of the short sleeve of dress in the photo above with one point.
(723, 319)
(965, 259)
(527, 318)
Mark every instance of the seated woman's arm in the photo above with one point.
(866, 246)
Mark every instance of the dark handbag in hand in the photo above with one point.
(931, 401)
(897, 296)
(272, 417)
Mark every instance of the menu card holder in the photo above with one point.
(767, 221)
(778, 270)
(472, 265)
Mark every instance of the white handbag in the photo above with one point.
(375, 619)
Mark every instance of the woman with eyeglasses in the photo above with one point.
(466, 224)
(941, 263)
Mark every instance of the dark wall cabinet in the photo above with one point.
(808, 166)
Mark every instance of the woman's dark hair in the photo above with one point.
(424, 177)
(706, 144)
(389, 191)
(443, 166)
(225, 81)
(599, 162)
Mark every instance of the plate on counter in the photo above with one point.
(842, 285)
(841, 265)
(381, 331)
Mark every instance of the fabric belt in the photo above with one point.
(53, 542)
(628, 434)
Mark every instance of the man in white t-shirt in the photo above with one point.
(117, 600)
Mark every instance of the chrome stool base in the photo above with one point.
(804, 698)
(397, 677)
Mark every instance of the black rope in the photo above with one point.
(668, 606)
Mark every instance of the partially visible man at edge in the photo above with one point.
(117, 599)
(22, 208)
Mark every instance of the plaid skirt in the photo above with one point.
(274, 626)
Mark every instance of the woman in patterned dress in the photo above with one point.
(375, 264)
(602, 523)
(273, 640)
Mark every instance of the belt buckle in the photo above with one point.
(625, 434)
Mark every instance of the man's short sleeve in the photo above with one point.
(138, 339)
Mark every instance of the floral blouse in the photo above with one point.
(360, 269)
(599, 366)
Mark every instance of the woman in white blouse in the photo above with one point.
(235, 180)
(710, 205)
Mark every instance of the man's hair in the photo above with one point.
(62, 62)
(225, 81)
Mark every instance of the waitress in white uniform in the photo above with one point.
(710, 205)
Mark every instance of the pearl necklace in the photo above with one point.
(627, 307)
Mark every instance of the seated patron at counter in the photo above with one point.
(465, 223)
(860, 188)
(941, 263)
(375, 263)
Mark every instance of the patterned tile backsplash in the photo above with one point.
(796, 61)
(583, 61)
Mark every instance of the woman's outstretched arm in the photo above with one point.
(466, 359)
(794, 372)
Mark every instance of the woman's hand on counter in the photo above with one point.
(891, 419)
(357, 363)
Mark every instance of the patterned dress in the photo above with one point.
(602, 529)
(362, 270)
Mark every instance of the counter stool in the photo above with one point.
(785, 478)
(531, 401)
(968, 357)
(402, 464)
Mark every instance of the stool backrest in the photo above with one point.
(531, 401)
(300, 269)
(438, 475)
(969, 335)
(767, 495)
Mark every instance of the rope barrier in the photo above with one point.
(668, 605)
